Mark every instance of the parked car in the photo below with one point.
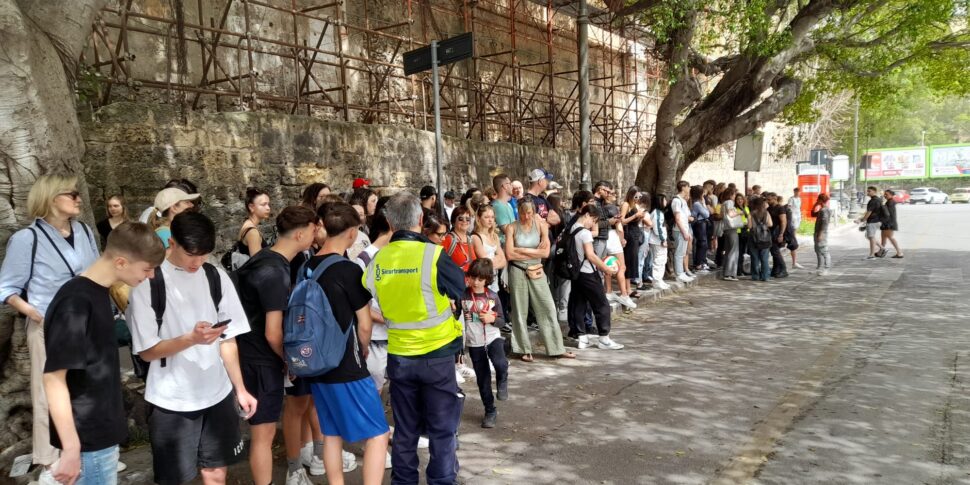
(901, 196)
(928, 195)
(961, 195)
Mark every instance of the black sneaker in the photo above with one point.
(490, 420)
(503, 392)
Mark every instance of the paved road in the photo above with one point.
(858, 377)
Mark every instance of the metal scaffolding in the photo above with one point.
(342, 60)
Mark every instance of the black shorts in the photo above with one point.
(265, 383)
(299, 388)
(184, 442)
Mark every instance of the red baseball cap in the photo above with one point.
(361, 182)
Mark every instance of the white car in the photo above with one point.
(928, 195)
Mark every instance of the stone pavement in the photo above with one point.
(858, 377)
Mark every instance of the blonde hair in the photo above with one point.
(479, 226)
(40, 200)
(124, 207)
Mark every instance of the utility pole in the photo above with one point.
(854, 166)
(582, 38)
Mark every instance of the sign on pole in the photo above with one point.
(431, 57)
(840, 168)
(747, 152)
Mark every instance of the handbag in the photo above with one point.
(533, 271)
(734, 222)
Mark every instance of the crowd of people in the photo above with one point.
(417, 286)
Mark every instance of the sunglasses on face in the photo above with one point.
(74, 195)
(441, 234)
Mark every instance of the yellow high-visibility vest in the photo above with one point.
(403, 278)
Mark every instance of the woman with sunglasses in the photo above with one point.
(40, 258)
(526, 243)
(433, 227)
(457, 243)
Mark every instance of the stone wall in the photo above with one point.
(134, 149)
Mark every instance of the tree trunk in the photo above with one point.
(39, 133)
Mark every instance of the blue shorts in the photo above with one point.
(350, 410)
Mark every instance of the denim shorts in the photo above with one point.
(97, 468)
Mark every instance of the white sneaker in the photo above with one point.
(690, 273)
(423, 442)
(798, 266)
(311, 461)
(702, 270)
(298, 478)
(683, 278)
(315, 463)
(606, 343)
(626, 301)
(387, 461)
(582, 342)
(122, 467)
(823, 272)
(458, 376)
(661, 285)
(612, 297)
(466, 372)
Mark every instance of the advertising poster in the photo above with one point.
(897, 163)
(950, 161)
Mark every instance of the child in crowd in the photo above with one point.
(483, 318)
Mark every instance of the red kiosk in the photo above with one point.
(812, 181)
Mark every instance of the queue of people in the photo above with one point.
(415, 284)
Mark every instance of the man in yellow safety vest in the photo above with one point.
(416, 287)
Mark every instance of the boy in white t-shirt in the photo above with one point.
(588, 288)
(194, 362)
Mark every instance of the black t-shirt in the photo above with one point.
(79, 336)
(264, 286)
(874, 208)
(345, 290)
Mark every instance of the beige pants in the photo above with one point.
(44, 453)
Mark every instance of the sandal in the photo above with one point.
(567, 355)
(527, 358)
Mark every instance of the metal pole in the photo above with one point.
(437, 122)
(853, 167)
(582, 23)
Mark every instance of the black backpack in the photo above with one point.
(761, 235)
(566, 263)
(157, 287)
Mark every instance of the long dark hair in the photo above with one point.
(309, 198)
(696, 194)
(630, 194)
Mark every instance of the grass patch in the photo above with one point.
(806, 227)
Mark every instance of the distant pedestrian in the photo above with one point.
(730, 235)
(873, 223)
(760, 242)
(658, 241)
(795, 208)
(889, 223)
(823, 217)
(681, 230)
(779, 223)
(701, 214)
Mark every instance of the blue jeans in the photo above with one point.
(99, 467)
(425, 399)
(760, 263)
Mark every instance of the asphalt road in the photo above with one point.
(856, 377)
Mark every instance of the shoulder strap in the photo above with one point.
(454, 243)
(324, 266)
(59, 253)
(364, 257)
(156, 286)
(243, 236)
(33, 256)
(215, 283)
(87, 231)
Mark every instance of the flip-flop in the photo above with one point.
(897, 257)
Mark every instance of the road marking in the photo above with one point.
(744, 465)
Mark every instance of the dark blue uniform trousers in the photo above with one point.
(425, 399)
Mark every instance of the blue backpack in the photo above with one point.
(313, 343)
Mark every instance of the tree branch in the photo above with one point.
(619, 10)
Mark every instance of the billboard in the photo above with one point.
(950, 161)
(894, 163)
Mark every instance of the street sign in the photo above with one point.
(840, 168)
(449, 50)
(747, 152)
